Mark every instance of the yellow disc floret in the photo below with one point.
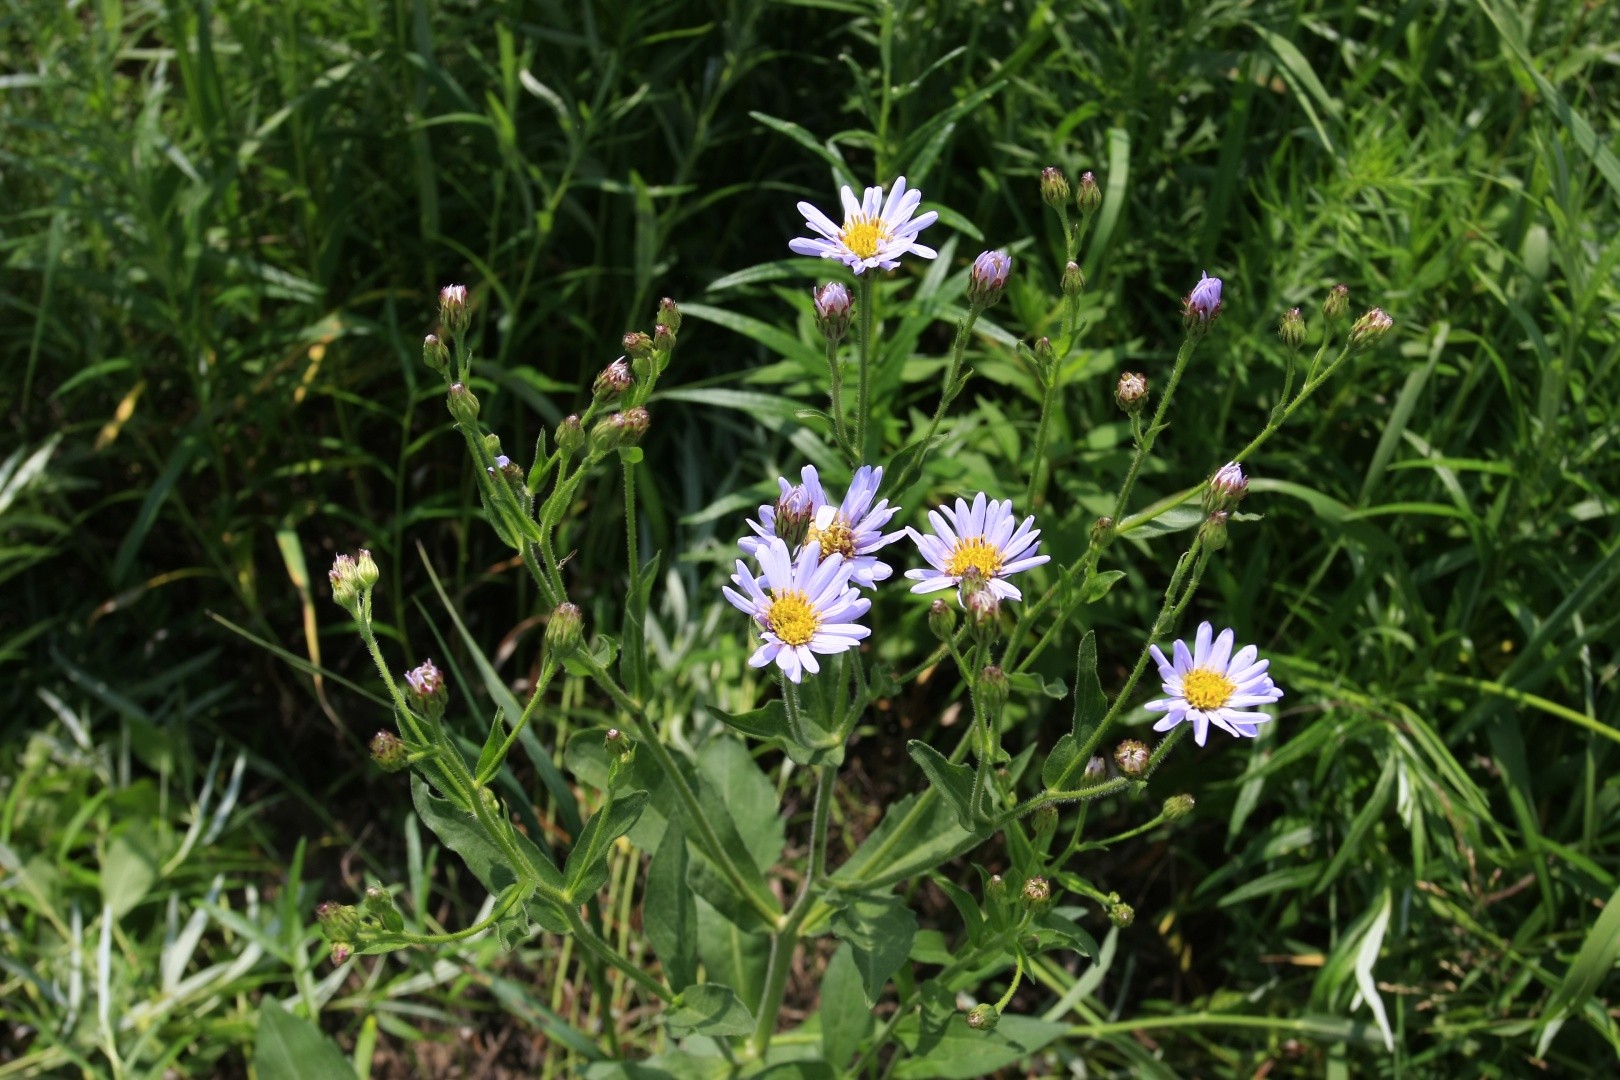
(974, 553)
(837, 536)
(792, 617)
(1205, 689)
(862, 235)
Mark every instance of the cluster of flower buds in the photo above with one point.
(1055, 192)
(987, 280)
(426, 689)
(341, 924)
(620, 429)
(352, 577)
(833, 306)
(1131, 392)
(1202, 306)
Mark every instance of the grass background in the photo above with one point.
(223, 228)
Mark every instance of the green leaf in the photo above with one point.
(748, 796)
(730, 954)
(289, 1047)
(1063, 766)
(587, 866)
(953, 783)
(1593, 964)
(487, 763)
(670, 1065)
(845, 1017)
(128, 869)
(879, 930)
(709, 1009)
(1098, 586)
(1060, 765)
(669, 912)
(767, 722)
(1176, 519)
(913, 837)
(966, 906)
(962, 1052)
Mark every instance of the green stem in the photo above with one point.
(1012, 988)
(548, 669)
(953, 373)
(606, 953)
(835, 389)
(509, 899)
(863, 393)
(1042, 432)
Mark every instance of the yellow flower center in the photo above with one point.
(1205, 689)
(974, 553)
(862, 235)
(792, 617)
(837, 536)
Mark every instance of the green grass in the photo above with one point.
(224, 230)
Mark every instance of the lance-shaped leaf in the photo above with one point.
(669, 912)
(709, 1009)
(879, 929)
(587, 867)
(1063, 765)
(953, 783)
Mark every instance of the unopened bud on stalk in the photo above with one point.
(1370, 329)
(833, 305)
(341, 951)
(570, 435)
(1037, 891)
(426, 689)
(453, 308)
(1102, 531)
(345, 579)
(463, 405)
(1121, 915)
(1096, 772)
(1073, 281)
(988, 278)
(1337, 304)
(1226, 488)
(638, 345)
(1177, 807)
(663, 339)
(1131, 392)
(565, 630)
(1045, 357)
(1132, 757)
(669, 315)
(1054, 187)
(388, 752)
(378, 900)
(1044, 822)
(614, 380)
(365, 570)
(993, 689)
(1202, 306)
(619, 429)
(1292, 329)
(1089, 197)
(983, 606)
(435, 354)
(982, 1018)
(341, 922)
(1212, 533)
(995, 888)
(942, 620)
(794, 512)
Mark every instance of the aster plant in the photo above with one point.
(834, 639)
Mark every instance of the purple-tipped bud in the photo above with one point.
(426, 689)
(1132, 757)
(942, 620)
(614, 380)
(833, 305)
(988, 278)
(345, 579)
(1089, 197)
(1337, 304)
(795, 510)
(435, 354)
(1054, 188)
(1102, 531)
(1045, 357)
(993, 689)
(463, 405)
(1096, 771)
(565, 630)
(341, 922)
(1131, 392)
(983, 1018)
(389, 752)
(1202, 306)
(669, 315)
(619, 429)
(1074, 280)
(1121, 915)
(453, 308)
(1226, 488)
(663, 339)
(1037, 891)
(1292, 329)
(1370, 329)
(341, 951)
(983, 607)
(638, 345)
(570, 435)
(1177, 807)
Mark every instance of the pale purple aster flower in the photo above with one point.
(875, 232)
(852, 528)
(989, 277)
(804, 608)
(983, 539)
(1212, 685)
(1204, 302)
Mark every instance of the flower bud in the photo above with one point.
(614, 380)
(793, 514)
(988, 278)
(1102, 531)
(638, 345)
(1096, 772)
(426, 689)
(564, 631)
(1131, 392)
(1121, 915)
(1045, 357)
(1370, 329)
(669, 315)
(1132, 757)
(1073, 281)
(1292, 329)
(378, 900)
(983, 1018)
(1212, 533)
(995, 888)
(663, 339)
(993, 689)
(636, 423)
(435, 355)
(1337, 304)
(345, 579)
(1054, 187)
(463, 405)
(365, 570)
(610, 433)
(570, 436)
(388, 752)
(983, 607)
(341, 922)
(1177, 807)
(340, 952)
(1089, 196)
(1226, 488)
(453, 308)
(942, 620)
(1201, 306)
(833, 304)
(1037, 891)
(1044, 822)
